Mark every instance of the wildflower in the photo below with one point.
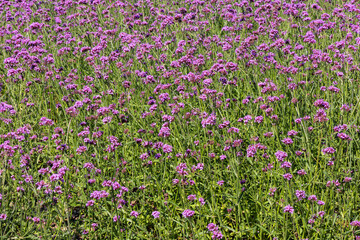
(259, 119)
(191, 197)
(155, 214)
(312, 198)
(328, 150)
(321, 213)
(346, 179)
(280, 155)
(345, 107)
(289, 209)
(45, 121)
(107, 120)
(268, 134)
(81, 150)
(188, 213)
(300, 194)
(207, 82)
(272, 191)
(134, 214)
(212, 227)
(286, 165)
(217, 235)
(298, 153)
(292, 133)
(287, 176)
(321, 103)
(301, 172)
(353, 223)
(287, 141)
(90, 203)
(164, 132)
(167, 148)
(344, 136)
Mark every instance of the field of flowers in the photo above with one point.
(189, 119)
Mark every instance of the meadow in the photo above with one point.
(189, 119)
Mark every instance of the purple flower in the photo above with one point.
(292, 133)
(167, 148)
(353, 223)
(134, 214)
(107, 120)
(217, 235)
(259, 119)
(298, 120)
(191, 197)
(212, 227)
(301, 172)
(300, 194)
(280, 155)
(312, 198)
(328, 150)
(321, 103)
(272, 191)
(298, 153)
(45, 121)
(188, 213)
(155, 214)
(164, 132)
(287, 141)
(345, 107)
(321, 213)
(207, 82)
(347, 179)
(286, 165)
(344, 136)
(289, 209)
(287, 176)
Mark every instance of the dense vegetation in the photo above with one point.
(181, 119)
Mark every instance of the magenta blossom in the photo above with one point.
(155, 214)
(289, 209)
(188, 213)
(134, 214)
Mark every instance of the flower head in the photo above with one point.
(188, 213)
(289, 209)
(155, 214)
